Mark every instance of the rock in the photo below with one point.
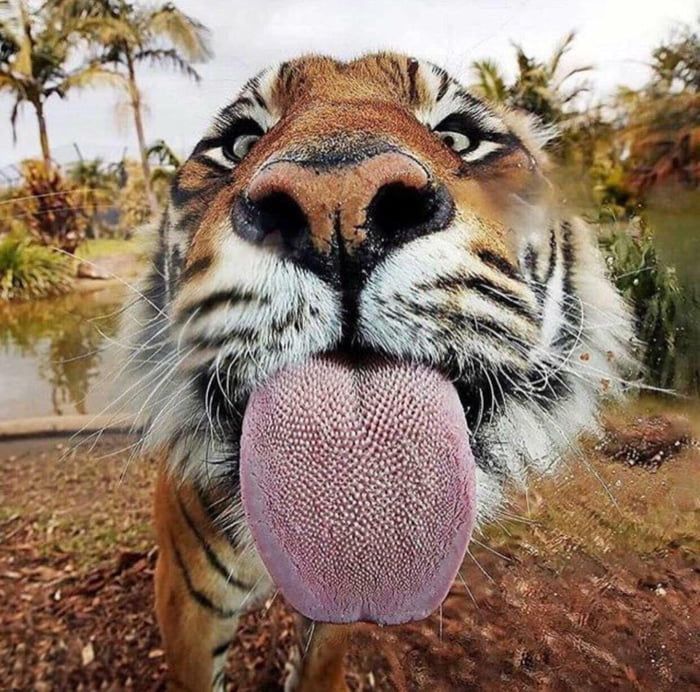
(90, 270)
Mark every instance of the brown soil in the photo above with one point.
(568, 591)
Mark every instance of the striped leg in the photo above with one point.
(202, 585)
(323, 667)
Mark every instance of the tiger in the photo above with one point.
(369, 315)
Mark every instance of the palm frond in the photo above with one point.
(559, 52)
(91, 76)
(491, 83)
(184, 32)
(162, 57)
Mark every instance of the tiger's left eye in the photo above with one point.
(458, 141)
(242, 145)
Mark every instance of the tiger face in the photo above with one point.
(368, 316)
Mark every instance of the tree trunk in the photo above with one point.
(136, 108)
(43, 134)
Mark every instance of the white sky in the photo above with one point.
(616, 36)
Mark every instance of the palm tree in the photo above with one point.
(124, 35)
(34, 51)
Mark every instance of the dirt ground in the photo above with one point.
(569, 590)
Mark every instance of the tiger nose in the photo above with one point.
(368, 207)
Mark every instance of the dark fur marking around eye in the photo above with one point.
(212, 557)
(199, 596)
(499, 263)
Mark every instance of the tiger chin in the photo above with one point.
(367, 317)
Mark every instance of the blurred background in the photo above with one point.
(100, 101)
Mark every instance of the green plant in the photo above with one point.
(539, 87)
(652, 289)
(28, 270)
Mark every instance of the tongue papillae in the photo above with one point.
(358, 485)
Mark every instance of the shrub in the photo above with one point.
(661, 307)
(54, 211)
(28, 270)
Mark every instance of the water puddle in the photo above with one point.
(52, 354)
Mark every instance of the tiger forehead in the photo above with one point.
(382, 76)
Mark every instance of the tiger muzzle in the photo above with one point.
(325, 211)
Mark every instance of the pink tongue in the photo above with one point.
(358, 486)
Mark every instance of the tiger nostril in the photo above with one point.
(400, 212)
(280, 212)
(274, 213)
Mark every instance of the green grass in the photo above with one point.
(106, 247)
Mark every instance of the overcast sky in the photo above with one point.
(616, 36)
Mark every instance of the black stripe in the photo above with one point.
(219, 679)
(284, 75)
(227, 337)
(530, 261)
(412, 70)
(487, 288)
(212, 557)
(222, 648)
(189, 221)
(258, 98)
(573, 315)
(552, 256)
(463, 320)
(194, 268)
(218, 298)
(198, 596)
(500, 263)
(227, 486)
(442, 89)
(208, 185)
(242, 102)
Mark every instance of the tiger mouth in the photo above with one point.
(358, 484)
